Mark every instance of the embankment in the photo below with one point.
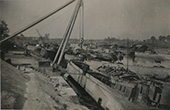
(13, 85)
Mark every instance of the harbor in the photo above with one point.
(43, 72)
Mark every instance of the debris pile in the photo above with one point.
(118, 72)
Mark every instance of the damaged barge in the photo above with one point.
(117, 95)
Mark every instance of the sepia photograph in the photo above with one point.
(85, 54)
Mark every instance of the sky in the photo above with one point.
(133, 19)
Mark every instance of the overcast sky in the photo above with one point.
(136, 19)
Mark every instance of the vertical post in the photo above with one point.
(81, 25)
(127, 54)
(82, 22)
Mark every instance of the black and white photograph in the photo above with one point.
(85, 54)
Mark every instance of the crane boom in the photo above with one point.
(67, 34)
(38, 33)
(36, 22)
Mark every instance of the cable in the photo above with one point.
(54, 20)
(35, 22)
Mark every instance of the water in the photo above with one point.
(144, 64)
(149, 60)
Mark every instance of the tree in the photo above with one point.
(168, 38)
(153, 39)
(162, 38)
(4, 30)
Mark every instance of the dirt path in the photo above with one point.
(39, 92)
(36, 98)
(41, 95)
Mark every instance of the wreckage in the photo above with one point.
(112, 88)
(122, 90)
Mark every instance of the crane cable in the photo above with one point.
(35, 22)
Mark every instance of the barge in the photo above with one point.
(116, 95)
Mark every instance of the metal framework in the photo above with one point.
(68, 32)
(79, 8)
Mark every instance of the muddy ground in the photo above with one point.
(41, 95)
(25, 88)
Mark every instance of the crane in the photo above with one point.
(41, 41)
(60, 52)
(38, 33)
